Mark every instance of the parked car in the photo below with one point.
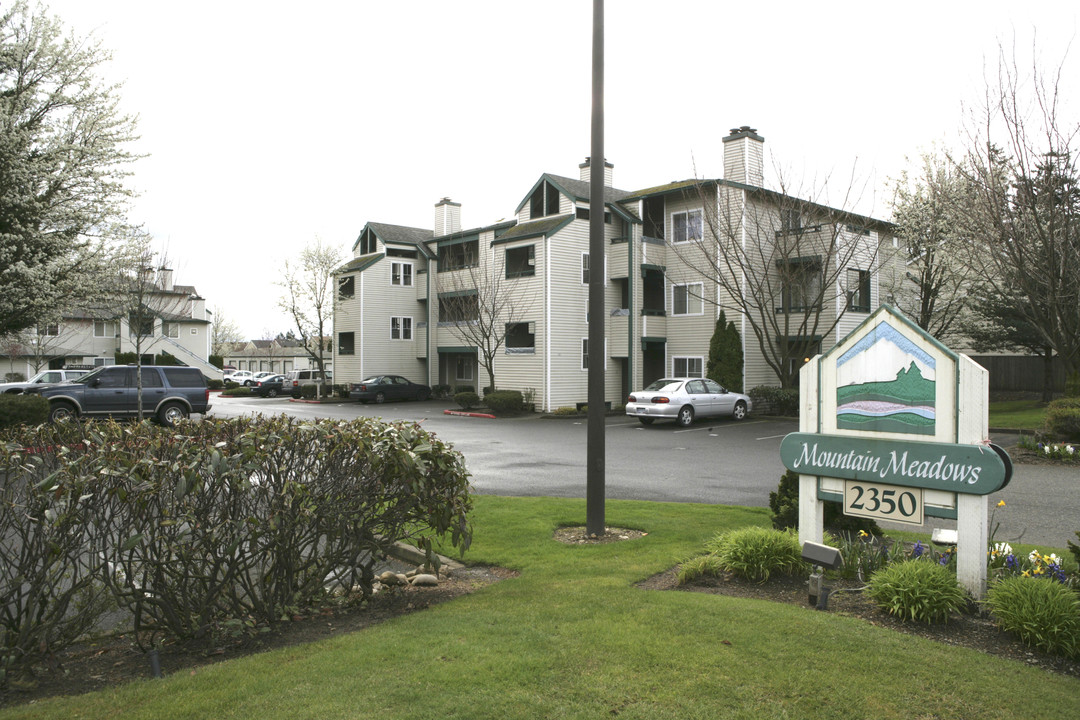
(683, 399)
(169, 393)
(263, 375)
(241, 377)
(269, 386)
(45, 377)
(380, 388)
(296, 379)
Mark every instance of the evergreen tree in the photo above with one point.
(725, 364)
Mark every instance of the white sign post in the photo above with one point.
(894, 425)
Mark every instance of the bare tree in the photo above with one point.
(932, 286)
(482, 308)
(1024, 217)
(41, 344)
(309, 298)
(223, 333)
(791, 266)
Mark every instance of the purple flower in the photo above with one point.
(1011, 562)
(918, 550)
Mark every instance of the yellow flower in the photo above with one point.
(1001, 503)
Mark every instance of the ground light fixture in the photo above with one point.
(821, 557)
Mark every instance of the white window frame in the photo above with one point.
(403, 328)
(585, 255)
(398, 276)
(692, 296)
(585, 353)
(105, 328)
(700, 226)
(170, 329)
(463, 362)
(700, 360)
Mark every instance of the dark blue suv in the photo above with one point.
(169, 393)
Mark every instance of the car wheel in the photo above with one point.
(171, 413)
(380, 398)
(740, 411)
(62, 412)
(685, 416)
(423, 395)
(272, 393)
(249, 383)
(646, 421)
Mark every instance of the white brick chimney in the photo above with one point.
(744, 156)
(447, 217)
(586, 172)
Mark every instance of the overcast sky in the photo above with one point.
(267, 124)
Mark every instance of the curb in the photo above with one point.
(462, 413)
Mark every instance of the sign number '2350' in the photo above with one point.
(886, 502)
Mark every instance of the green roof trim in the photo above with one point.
(457, 293)
(457, 349)
(547, 227)
(359, 264)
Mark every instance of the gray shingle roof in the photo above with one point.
(400, 234)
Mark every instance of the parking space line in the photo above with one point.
(771, 437)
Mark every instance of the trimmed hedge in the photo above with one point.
(22, 410)
(1063, 418)
(505, 402)
(467, 400)
(770, 400)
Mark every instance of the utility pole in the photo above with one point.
(595, 453)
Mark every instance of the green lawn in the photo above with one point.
(573, 638)
(1017, 414)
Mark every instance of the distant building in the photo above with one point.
(407, 299)
(277, 355)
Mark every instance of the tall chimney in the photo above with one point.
(744, 156)
(447, 217)
(586, 172)
(165, 274)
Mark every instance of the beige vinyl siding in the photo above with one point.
(523, 371)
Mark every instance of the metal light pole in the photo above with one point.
(595, 454)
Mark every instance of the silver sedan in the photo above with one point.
(683, 399)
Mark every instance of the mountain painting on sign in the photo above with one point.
(885, 383)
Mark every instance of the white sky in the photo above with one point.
(268, 123)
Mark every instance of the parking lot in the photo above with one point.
(721, 461)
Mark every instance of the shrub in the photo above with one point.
(236, 391)
(699, 567)
(465, 388)
(227, 520)
(22, 410)
(755, 553)
(917, 590)
(725, 363)
(307, 391)
(215, 384)
(14, 377)
(1041, 613)
(784, 507)
(440, 392)
(564, 411)
(229, 384)
(505, 402)
(1063, 418)
(467, 400)
(488, 390)
(775, 401)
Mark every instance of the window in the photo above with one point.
(104, 328)
(170, 329)
(459, 255)
(367, 242)
(401, 274)
(686, 226)
(801, 280)
(520, 261)
(345, 343)
(790, 220)
(184, 377)
(688, 367)
(687, 299)
(585, 353)
(463, 368)
(140, 325)
(544, 201)
(459, 308)
(99, 361)
(49, 330)
(584, 268)
(400, 328)
(858, 290)
(583, 214)
(520, 338)
(346, 287)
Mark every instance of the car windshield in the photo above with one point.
(372, 380)
(667, 384)
(89, 377)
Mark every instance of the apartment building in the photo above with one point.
(440, 305)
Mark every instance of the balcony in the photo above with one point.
(618, 259)
(653, 323)
(421, 283)
(618, 328)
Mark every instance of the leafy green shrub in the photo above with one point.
(725, 363)
(229, 384)
(775, 401)
(465, 388)
(755, 553)
(917, 590)
(564, 411)
(488, 390)
(1042, 613)
(505, 402)
(701, 566)
(440, 392)
(1063, 418)
(14, 377)
(308, 391)
(236, 391)
(22, 410)
(467, 400)
(215, 384)
(784, 507)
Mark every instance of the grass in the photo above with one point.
(572, 638)
(1018, 414)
